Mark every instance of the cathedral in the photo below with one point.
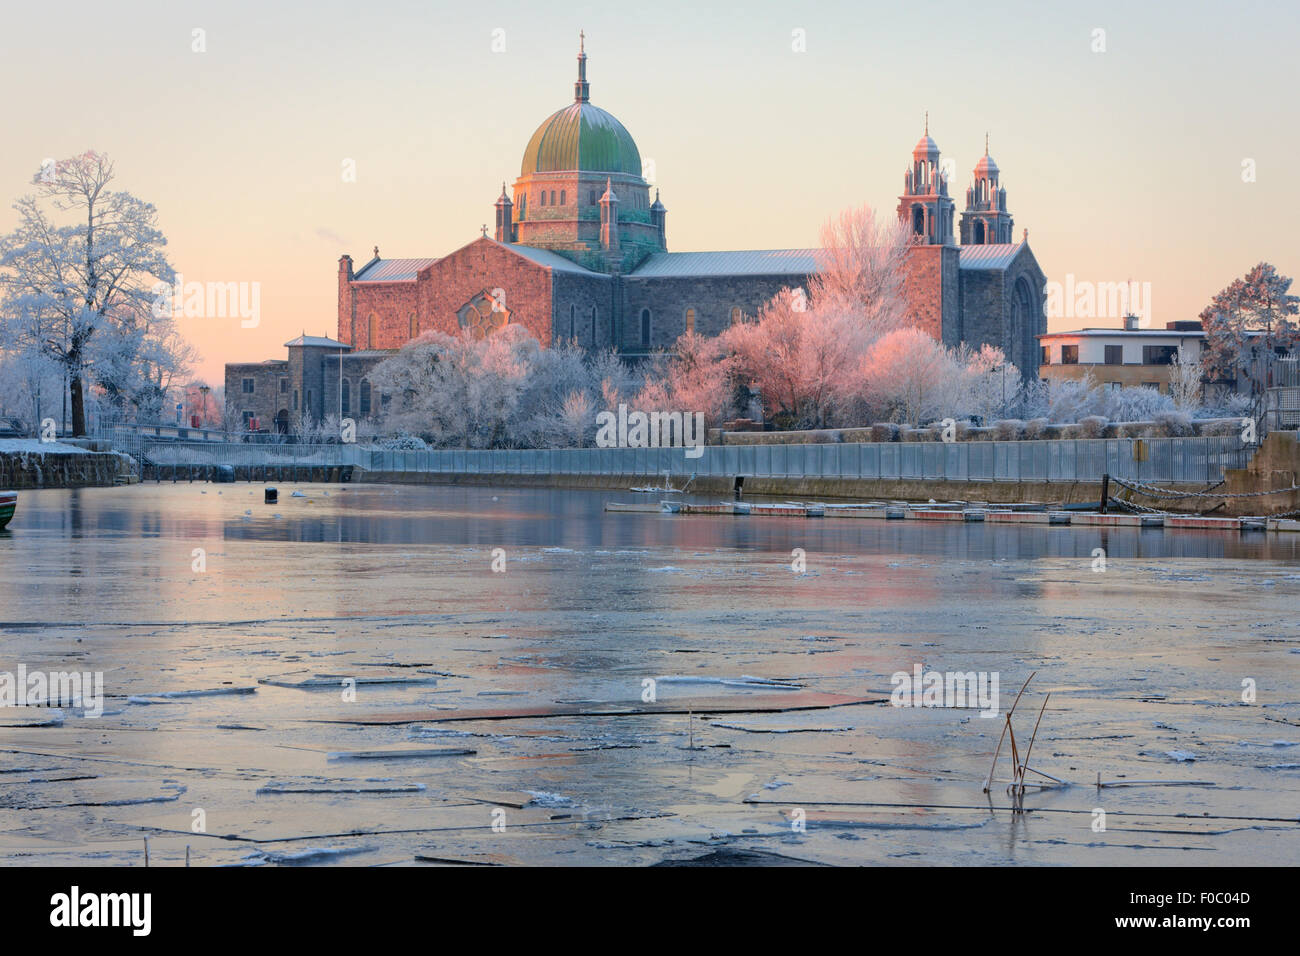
(579, 251)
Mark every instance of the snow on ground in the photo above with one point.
(34, 446)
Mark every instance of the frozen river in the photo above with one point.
(632, 688)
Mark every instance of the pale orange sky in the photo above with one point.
(1124, 164)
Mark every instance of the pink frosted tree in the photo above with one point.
(912, 376)
(803, 347)
(1246, 322)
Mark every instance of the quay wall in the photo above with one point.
(24, 465)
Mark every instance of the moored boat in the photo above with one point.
(8, 501)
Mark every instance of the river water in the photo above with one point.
(632, 688)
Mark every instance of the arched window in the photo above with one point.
(979, 232)
(573, 320)
(346, 405)
(593, 326)
(592, 197)
(543, 199)
(690, 320)
(371, 331)
(645, 328)
(365, 398)
(736, 315)
(561, 197)
(414, 327)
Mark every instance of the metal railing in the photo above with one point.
(1189, 460)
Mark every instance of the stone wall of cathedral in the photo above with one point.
(712, 298)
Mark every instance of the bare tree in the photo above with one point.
(1185, 383)
(95, 270)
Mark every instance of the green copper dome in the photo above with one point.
(581, 137)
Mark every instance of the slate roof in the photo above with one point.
(391, 270)
(316, 340)
(996, 255)
(551, 260)
(754, 262)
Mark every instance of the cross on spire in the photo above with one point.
(581, 89)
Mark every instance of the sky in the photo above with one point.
(1160, 151)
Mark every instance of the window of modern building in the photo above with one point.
(690, 320)
(347, 397)
(1114, 355)
(365, 398)
(645, 328)
(1158, 354)
(247, 386)
(1047, 356)
(1069, 355)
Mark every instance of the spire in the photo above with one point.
(581, 89)
(927, 122)
(986, 143)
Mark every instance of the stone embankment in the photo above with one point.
(72, 463)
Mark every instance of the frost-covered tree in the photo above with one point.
(1250, 320)
(86, 258)
(457, 390)
(989, 384)
(698, 375)
(910, 375)
(803, 347)
(1185, 384)
(1142, 404)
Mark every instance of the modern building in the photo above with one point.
(1131, 356)
(580, 252)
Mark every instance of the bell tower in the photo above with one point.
(985, 220)
(925, 204)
